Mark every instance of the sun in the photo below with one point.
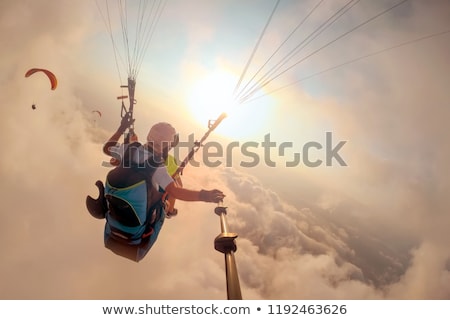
(213, 95)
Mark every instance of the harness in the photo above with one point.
(135, 208)
(128, 216)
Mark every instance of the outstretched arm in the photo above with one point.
(193, 195)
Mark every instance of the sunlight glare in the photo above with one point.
(213, 95)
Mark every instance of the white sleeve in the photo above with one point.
(161, 178)
(117, 151)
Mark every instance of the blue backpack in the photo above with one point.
(132, 207)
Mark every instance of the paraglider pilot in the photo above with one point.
(131, 198)
(117, 150)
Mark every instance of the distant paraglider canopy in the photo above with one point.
(50, 75)
(96, 114)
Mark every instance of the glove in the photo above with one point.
(125, 123)
(211, 195)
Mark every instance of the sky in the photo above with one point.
(363, 212)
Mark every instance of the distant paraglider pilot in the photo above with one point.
(132, 195)
(50, 75)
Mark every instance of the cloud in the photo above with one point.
(376, 229)
(429, 259)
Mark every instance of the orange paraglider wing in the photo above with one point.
(98, 112)
(50, 75)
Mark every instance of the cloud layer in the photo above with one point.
(377, 229)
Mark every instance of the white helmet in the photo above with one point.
(162, 136)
